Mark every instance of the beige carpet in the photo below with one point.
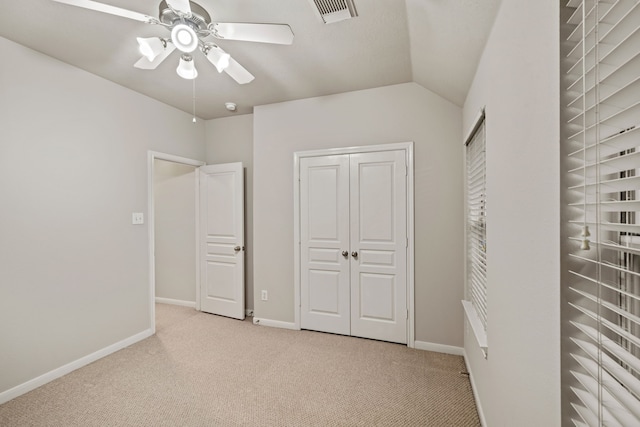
(205, 370)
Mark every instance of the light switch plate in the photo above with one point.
(137, 218)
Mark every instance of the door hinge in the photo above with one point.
(406, 242)
(407, 314)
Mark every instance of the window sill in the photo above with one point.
(476, 326)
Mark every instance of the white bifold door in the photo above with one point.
(222, 240)
(353, 244)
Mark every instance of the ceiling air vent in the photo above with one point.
(335, 10)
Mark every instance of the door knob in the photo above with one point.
(345, 254)
(354, 254)
(237, 249)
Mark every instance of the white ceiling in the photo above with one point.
(436, 43)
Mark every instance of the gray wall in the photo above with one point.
(74, 272)
(399, 113)
(230, 140)
(174, 191)
(518, 81)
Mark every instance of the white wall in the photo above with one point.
(399, 113)
(74, 272)
(175, 235)
(230, 140)
(518, 81)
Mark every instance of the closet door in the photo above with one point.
(353, 245)
(379, 245)
(324, 244)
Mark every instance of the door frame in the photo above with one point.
(151, 157)
(408, 148)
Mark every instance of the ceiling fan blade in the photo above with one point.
(238, 72)
(144, 64)
(263, 33)
(180, 5)
(101, 7)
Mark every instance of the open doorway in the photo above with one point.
(174, 206)
(173, 211)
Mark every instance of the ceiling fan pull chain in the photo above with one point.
(194, 100)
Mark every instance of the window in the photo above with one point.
(601, 229)
(475, 305)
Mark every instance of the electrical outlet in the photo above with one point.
(265, 296)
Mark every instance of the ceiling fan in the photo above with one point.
(190, 25)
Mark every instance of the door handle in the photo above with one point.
(345, 254)
(354, 254)
(237, 249)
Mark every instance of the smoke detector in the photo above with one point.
(331, 11)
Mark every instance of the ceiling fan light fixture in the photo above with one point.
(184, 37)
(186, 68)
(151, 47)
(190, 24)
(219, 58)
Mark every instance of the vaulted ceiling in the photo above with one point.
(436, 43)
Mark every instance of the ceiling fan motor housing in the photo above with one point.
(198, 21)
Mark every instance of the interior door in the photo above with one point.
(324, 245)
(378, 211)
(222, 240)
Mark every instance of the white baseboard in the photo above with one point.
(483, 421)
(191, 304)
(248, 312)
(439, 348)
(34, 383)
(275, 323)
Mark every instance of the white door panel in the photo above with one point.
(324, 292)
(221, 205)
(379, 236)
(220, 279)
(324, 234)
(376, 296)
(222, 240)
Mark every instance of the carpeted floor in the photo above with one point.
(205, 370)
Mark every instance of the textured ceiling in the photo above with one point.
(435, 43)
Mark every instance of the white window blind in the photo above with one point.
(601, 169)
(476, 287)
